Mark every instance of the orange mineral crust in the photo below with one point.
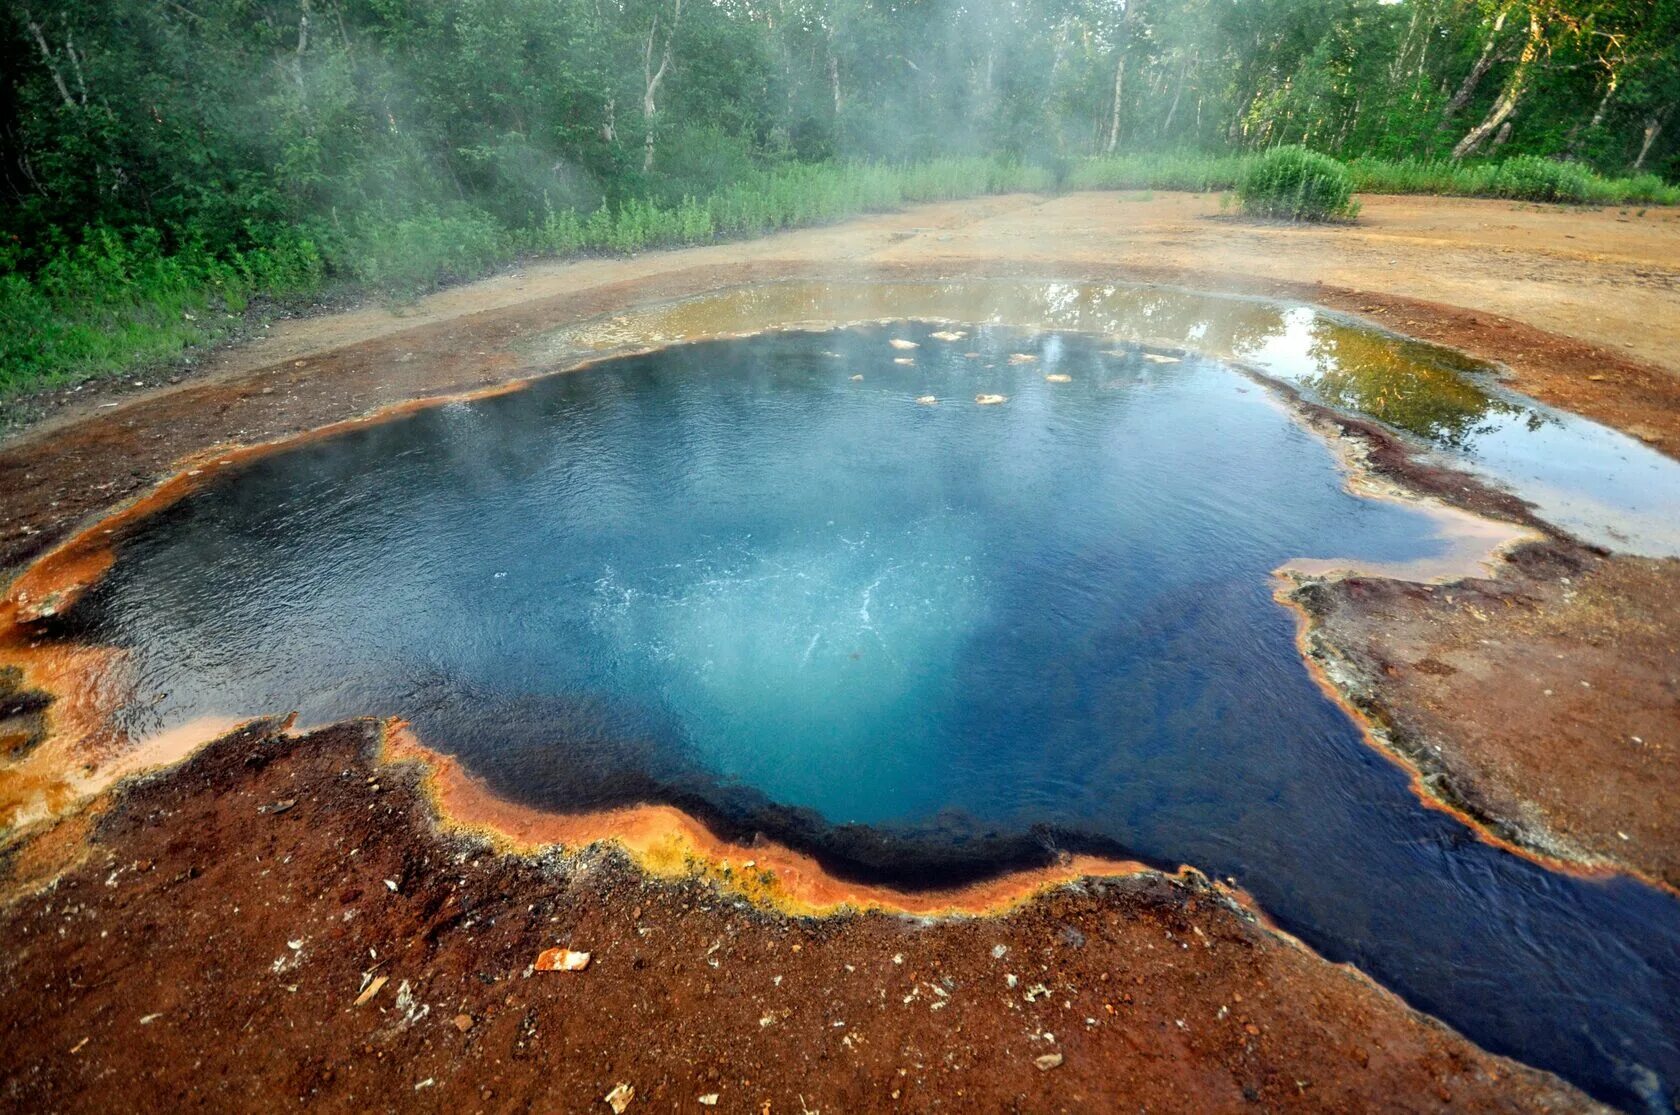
(667, 842)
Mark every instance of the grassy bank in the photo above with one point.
(118, 302)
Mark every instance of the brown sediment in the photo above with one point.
(1544, 703)
(207, 945)
(666, 842)
(1429, 774)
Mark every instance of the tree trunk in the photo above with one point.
(1467, 88)
(1653, 129)
(1125, 41)
(834, 74)
(302, 45)
(1113, 139)
(652, 78)
(1515, 86)
(1604, 101)
(47, 60)
(1172, 109)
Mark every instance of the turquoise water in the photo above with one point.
(925, 641)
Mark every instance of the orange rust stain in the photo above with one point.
(664, 840)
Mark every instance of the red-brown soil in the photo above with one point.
(208, 950)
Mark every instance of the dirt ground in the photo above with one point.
(213, 948)
(1584, 308)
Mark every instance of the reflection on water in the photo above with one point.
(770, 583)
(1584, 477)
(1404, 383)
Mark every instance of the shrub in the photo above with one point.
(1533, 178)
(1299, 185)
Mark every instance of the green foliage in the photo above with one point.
(112, 303)
(1525, 177)
(1298, 185)
(405, 254)
(1185, 170)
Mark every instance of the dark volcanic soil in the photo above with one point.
(209, 948)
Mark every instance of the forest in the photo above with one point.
(167, 162)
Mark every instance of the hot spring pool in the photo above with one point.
(805, 584)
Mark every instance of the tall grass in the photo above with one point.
(117, 302)
(1193, 171)
(113, 303)
(1525, 177)
(1298, 185)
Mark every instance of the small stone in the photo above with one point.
(619, 1098)
(928, 400)
(1058, 377)
(463, 1022)
(562, 960)
(1048, 1061)
(710, 1099)
(991, 400)
(899, 342)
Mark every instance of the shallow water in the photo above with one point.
(1596, 482)
(923, 641)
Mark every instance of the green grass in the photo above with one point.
(1191, 171)
(1525, 177)
(116, 302)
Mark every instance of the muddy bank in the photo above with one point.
(211, 944)
(1545, 702)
